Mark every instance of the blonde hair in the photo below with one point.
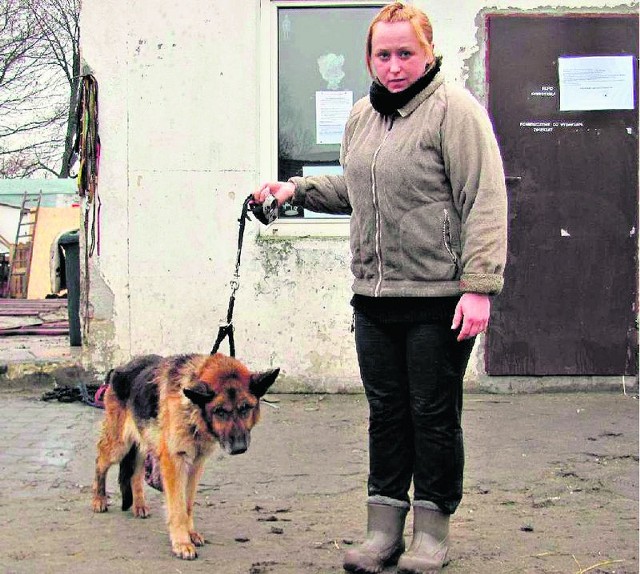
(400, 12)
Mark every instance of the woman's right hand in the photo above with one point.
(281, 190)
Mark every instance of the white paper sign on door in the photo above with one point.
(596, 83)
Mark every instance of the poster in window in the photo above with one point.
(332, 112)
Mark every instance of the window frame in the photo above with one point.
(268, 111)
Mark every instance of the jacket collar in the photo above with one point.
(419, 98)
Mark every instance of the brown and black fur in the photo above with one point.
(178, 407)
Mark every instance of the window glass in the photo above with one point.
(321, 74)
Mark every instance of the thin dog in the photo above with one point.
(179, 408)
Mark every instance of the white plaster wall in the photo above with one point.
(104, 26)
(178, 101)
(179, 123)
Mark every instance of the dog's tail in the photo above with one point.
(127, 468)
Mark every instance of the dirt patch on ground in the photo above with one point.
(551, 486)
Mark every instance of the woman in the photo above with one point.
(424, 183)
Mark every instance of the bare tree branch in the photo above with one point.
(39, 78)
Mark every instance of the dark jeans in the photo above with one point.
(412, 375)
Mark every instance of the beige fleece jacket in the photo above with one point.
(426, 193)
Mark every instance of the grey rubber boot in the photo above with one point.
(427, 553)
(385, 537)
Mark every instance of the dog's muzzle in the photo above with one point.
(236, 443)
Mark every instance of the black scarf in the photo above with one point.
(387, 103)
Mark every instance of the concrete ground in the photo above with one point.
(551, 486)
(30, 354)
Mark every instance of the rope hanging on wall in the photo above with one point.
(85, 161)
(87, 153)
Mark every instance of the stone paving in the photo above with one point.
(39, 442)
(18, 350)
(551, 486)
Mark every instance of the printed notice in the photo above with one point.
(596, 83)
(332, 112)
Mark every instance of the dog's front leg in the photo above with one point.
(192, 484)
(175, 470)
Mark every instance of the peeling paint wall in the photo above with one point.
(459, 33)
(179, 126)
(293, 312)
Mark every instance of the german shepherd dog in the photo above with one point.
(179, 408)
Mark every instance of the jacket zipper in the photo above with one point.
(446, 238)
(374, 191)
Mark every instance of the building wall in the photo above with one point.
(180, 131)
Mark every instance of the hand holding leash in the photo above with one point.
(268, 197)
(265, 212)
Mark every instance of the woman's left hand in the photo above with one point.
(472, 311)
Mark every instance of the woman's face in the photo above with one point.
(397, 56)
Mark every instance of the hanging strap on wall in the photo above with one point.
(84, 161)
(226, 327)
(86, 151)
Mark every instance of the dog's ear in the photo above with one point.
(260, 382)
(200, 395)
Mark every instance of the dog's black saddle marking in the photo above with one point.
(121, 378)
(144, 394)
(135, 383)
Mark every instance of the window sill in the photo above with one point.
(281, 228)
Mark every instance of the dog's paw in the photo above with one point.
(141, 511)
(197, 538)
(184, 550)
(100, 504)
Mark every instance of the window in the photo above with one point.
(314, 70)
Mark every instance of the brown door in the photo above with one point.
(569, 301)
